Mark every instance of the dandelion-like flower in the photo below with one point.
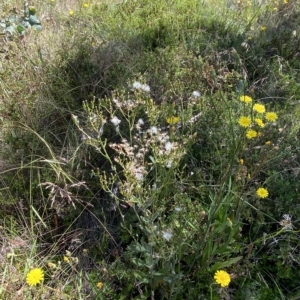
(99, 285)
(262, 193)
(71, 12)
(260, 108)
(66, 259)
(244, 121)
(259, 122)
(251, 134)
(85, 5)
(246, 99)
(222, 278)
(271, 116)
(268, 142)
(172, 120)
(35, 276)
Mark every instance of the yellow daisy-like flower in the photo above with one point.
(85, 5)
(35, 276)
(268, 142)
(259, 122)
(172, 120)
(222, 278)
(244, 121)
(251, 134)
(271, 116)
(262, 193)
(263, 28)
(260, 108)
(241, 161)
(66, 259)
(246, 99)
(71, 12)
(99, 285)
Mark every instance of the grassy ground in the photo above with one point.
(150, 150)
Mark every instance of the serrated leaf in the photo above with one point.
(221, 265)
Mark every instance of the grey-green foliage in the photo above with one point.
(15, 24)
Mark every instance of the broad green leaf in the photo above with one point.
(20, 28)
(33, 20)
(221, 265)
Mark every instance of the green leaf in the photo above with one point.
(20, 29)
(221, 265)
(33, 20)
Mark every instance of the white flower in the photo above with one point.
(196, 94)
(137, 85)
(140, 122)
(178, 209)
(153, 130)
(169, 163)
(115, 120)
(168, 146)
(145, 88)
(167, 235)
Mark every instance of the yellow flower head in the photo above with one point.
(246, 99)
(66, 259)
(222, 278)
(35, 276)
(262, 193)
(241, 161)
(260, 108)
(244, 121)
(251, 134)
(263, 28)
(268, 142)
(85, 5)
(99, 285)
(271, 116)
(259, 122)
(172, 120)
(71, 12)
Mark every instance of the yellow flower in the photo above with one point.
(251, 134)
(260, 108)
(271, 116)
(263, 28)
(172, 120)
(71, 12)
(285, 1)
(244, 121)
(66, 259)
(241, 161)
(262, 193)
(246, 99)
(268, 142)
(222, 278)
(51, 265)
(35, 276)
(99, 285)
(259, 122)
(85, 5)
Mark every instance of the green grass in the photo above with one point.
(124, 171)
